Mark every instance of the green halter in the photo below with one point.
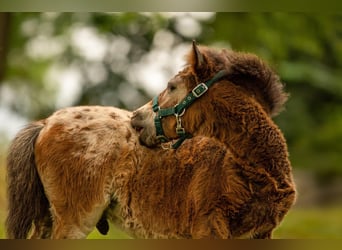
(179, 109)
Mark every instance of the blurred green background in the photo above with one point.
(53, 60)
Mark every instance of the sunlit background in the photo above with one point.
(54, 60)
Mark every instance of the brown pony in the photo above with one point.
(84, 165)
(229, 96)
(70, 172)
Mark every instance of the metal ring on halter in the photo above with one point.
(181, 114)
(168, 145)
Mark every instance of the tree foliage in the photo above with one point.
(304, 48)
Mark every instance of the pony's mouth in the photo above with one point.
(139, 129)
(137, 124)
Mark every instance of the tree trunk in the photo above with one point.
(4, 38)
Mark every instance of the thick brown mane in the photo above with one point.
(246, 70)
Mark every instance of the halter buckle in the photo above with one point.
(179, 128)
(200, 89)
(180, 131)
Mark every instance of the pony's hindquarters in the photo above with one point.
(76, 153)
(27, 202)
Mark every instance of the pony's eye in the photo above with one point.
(171, 87)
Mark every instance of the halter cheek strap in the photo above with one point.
(160, 113)
(179, 109)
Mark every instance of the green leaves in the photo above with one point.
(304, 48)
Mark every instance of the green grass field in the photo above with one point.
(314, 223)
(324, 223)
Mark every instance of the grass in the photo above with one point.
(313, 223)
(114, 233)
(309, 223)
(2, 192)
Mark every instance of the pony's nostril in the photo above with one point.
(138, 116)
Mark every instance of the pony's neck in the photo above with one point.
(251, 136)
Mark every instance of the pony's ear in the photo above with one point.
(196, 58)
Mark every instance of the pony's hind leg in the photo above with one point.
(65, 230)
(69, 225)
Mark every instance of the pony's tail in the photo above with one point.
(27, 202)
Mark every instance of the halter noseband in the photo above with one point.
(179, 109)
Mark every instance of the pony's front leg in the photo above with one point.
(265, 235)
(211, 226)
